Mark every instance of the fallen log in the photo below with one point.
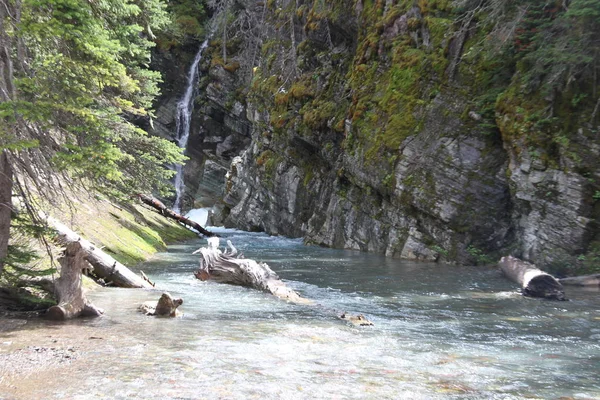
(534, 282)
(166, 306)
(105, 267)
(583, 280)
(168, 213)
(229, 268)
(71, 299)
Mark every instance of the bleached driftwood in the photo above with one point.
(534, 282)
(105, 267)
(583, 280)
(229, 267)
(71, 299)
(165, 307)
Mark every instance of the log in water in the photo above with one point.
(441, 332)
(533, 281)
(233, 269)
(583, 280)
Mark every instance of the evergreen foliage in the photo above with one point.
(74, 74)
(187, 22)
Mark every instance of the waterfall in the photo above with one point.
(185, 107)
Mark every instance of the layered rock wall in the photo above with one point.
(400, 128)
(219, 130)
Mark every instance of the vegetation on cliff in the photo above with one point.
(74, 77)
(353, 80)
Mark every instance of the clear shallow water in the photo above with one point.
(440, 332)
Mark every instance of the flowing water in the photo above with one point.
(185, 107)
(441, 332)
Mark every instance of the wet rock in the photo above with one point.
(219, 129)
(551, 209)
(356, 320)
(165, 307)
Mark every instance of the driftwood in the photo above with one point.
(167, 212)
(534, 282)
(166, 306)
(145, 277)
(105, 267)
(71, 300)
(231, 268)
(583, 280)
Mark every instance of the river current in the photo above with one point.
(440, 332)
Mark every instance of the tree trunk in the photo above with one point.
(105, 266)
(227, 268)
(584, 280)
(71, 300)
(5, 205)
(7, 85)
(535, 282)
(167, 212)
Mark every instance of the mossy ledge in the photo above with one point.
(131, 233)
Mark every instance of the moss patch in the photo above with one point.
(130, 234)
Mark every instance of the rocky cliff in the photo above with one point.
(219, 129)
(427, 129)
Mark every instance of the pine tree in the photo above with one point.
(73, 74)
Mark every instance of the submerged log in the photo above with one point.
(583, 280)
(230, 268)
(167, 212)
(71, 299)
(105, 267)
(534, 282)
(166, 306)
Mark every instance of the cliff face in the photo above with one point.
(219, 129)
(412, 129)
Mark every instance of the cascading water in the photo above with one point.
(185, 107)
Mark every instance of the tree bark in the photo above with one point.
(227, 268)
(105, 266)
(534, 282)
(7, 85)
(6, 183)
(71, 300)
(167, 212)
(584, 280)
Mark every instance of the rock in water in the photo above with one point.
(356, 320)
(165, 307)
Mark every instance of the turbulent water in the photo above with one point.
(441, 332)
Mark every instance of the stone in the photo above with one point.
(165, 307)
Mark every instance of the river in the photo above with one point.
(440, 332)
